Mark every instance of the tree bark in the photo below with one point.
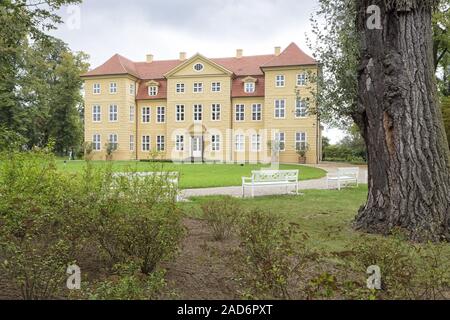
(401, 121)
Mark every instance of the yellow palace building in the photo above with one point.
(232, 109)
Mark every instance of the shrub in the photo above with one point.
(35, 217)
(221, 216)
(272, 256)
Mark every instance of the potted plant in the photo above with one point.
(302, 154)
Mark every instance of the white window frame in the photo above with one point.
(301, 105)
(96, 88)
(96, 143)
(216, 109)
(256, 110)
(280, 109)
(249, 87)
(146, 116)
(300, 137)
(160, 143)
(197, 87)
(132, 89)
(197, 111)
(113, 87)
(302, 79)
(239, 112)
(153, 91)
(280, 81)
(198, 64)
(180, 115)
(216, 87)
(160, 114)
(96, 113)
(132, 143)
(113, 113)
(256, 143)
(179, 143)
(132, 113)
(146, 143)
(113, 138)
(281, 138)
(180, 88)
(215, 142)
(239, 143)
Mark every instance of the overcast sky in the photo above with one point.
(215, 28)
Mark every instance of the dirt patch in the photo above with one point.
(200, 271)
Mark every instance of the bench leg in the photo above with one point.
(296, 188)
(243, 191)
(339, 185)
(253, 191)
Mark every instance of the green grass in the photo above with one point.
(325, 215)
(195, 175)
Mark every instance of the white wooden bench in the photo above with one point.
(270, 178)
(171, 178)
(343, 176)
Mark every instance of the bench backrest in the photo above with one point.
(171, 177)
(352, 172)
(274, 175)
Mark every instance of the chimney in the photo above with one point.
(239, 53)
(182, 56)
(149, 58)
(277, 51)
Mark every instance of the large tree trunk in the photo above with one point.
(400, 117)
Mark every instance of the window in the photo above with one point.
(132, 113)
(160, 114)
(179, 112)
(256, 143)
(96, 113)
(280, 109)
(279, 81)
(215, 142)
(113, 140)
(96, 142)
(302, 79)
(146, 114)
(180, 88)
(301, 109)
(256, 112)
(113, 87)
(131, 143)
(160, 143)
(132, 89)
(300, 141)
(215, 112)
(96, 88)
(198, 112)
(280, 139)
(240, 112)
(145, 143)
(198, 67)
(240, 143)
(215, 87)
(179, 143)
(153, 91)
(198, 87)
(113, 113)
(249, 87)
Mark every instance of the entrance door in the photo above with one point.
(197, 147)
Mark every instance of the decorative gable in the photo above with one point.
(198, 65)
(249, 80)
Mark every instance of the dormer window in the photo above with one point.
(249, 87)
(152, 91)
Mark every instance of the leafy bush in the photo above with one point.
(272, 256)
(221, 216)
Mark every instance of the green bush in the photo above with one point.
(221, 216)
(272, 256)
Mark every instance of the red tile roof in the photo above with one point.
(291, 56)
(115, 65)
(237, 88)
(245, 66)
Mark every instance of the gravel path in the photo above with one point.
(275, 190)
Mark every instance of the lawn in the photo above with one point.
(196, 175)
(326, 215)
